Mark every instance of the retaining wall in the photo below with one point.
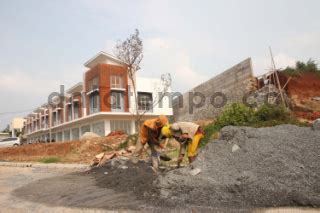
(232, 83)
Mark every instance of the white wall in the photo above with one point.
(153, 86)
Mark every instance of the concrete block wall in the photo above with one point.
(233, 83)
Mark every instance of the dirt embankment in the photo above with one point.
(303, 90)
(73, 151)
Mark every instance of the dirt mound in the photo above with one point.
(303, 91)
(124, 176)
(72, 151)
(248, 167)
(115, 133)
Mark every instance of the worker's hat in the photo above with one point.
(161, 121)
(166, 132)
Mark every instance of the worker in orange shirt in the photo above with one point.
(149, 134)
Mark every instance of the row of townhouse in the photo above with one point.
(102, 103)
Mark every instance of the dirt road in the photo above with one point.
(12, 178)
(63, 190)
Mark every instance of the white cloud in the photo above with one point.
(163, 55)
(24, 83)
(264, 65)
(308, 40)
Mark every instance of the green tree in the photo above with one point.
(302, 67)
(7, 129)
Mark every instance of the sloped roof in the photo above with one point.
(100, 57)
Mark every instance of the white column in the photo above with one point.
(107, 128)
(72, 109)
(133, 127)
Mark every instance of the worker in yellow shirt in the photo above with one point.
(188, 134)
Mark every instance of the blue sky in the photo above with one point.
(45, 43)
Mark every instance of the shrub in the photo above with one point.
(209, 130)
(235, 114)
(271, 112)
(302, 67)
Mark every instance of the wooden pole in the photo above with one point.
(277, 78)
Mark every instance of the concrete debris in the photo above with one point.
(269, 93)
(88, 135)
(123, 158)
(116, 133)
(124, 167)
(316, 98)
(100, 156)
(122, 151)
(235, 148)
(131, 148)
(195, 171)
(316, 124)
(105, 158)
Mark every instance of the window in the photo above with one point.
(76, 110)
(145, 102)
(69, 111)
(66, 135)
(94, 102)
(59, 136)
(53, 137)
(98, 128)
(85, 129)
(75, 134)
(116, 81)
(122, 125)
(47, 121)
(59, 117)
(43, 125)
(93, 83)
(54, 118)
(117, 101)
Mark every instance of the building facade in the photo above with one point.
(16, 126)
(102, 103)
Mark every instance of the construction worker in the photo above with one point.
(188, 134)
(149, 134)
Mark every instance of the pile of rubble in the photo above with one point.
(102, 158)
(249, 167)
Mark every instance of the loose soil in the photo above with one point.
(301, 89)
(69, 152)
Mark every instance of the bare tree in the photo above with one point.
(130, 51)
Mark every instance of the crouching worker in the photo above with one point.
(188, 134)
(149, 134)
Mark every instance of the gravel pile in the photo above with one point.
(249, 167)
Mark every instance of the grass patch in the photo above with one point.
(49, 160)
